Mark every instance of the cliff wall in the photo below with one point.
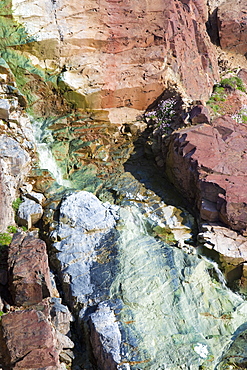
(115, 54)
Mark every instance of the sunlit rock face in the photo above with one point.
(14, 165)
(148, 305)
(207, 163)
(120, 53)
(231, 17)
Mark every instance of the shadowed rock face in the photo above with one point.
(208, 165)
(121, 53)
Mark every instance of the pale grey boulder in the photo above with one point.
(86, 228)
(105, 337)
(86, 211)
(29, 213)
(4, 109)
(37, 197)
(61, 317)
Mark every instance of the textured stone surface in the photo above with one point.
(29, 277)
(4, 109)
(233, 26)
(29, 341)
(60, 316)
(29, 212)
(121, 54)
(91, 222)
(225, 241)
(14, 165)
(37, 197)
(235, 355)
(105, 337)
(199, 114)
(208, 165)
(145, 304)
(243, 75)
(232, 249)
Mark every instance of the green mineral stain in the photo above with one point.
(15, 45)
(165, 234)
(86, 179)
(174, 315)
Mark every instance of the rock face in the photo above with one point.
(207, 163)
(30, 281)
(34, 337)
(232, 252)
(124, 282)
(14, 165)
(232, 26)
(105, 337)
(16, 145)
(29, 340)
(91, 221)
(120, 54)
(29, 212)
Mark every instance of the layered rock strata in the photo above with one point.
(29, 340)
(208, 165)
(231, 251)
(119, 54)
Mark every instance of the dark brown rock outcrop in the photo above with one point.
(232, 25)
(29, 278)
(28, 340)
(208, 163)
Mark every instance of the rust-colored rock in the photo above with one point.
(208, 165)
(243, 75)
(115, 54)
(28, 341)
(29, 278)
(199, 114)
(232, 24)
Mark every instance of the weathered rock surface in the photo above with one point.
(124, 284)
(91, 222)
(120, 54)
(29, 276)
(4, 109)
(199, 114)
(60, 316)
(232, 252)
(28, 340)
(105, 337)
(207, 163)
(14, 166)
(232, 25)
(29, 212)
(225, 241)
(243, 75)
(233, 356)
(16, 145)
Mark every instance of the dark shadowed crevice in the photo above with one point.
(212, 27)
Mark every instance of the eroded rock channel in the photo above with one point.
(105, 264)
